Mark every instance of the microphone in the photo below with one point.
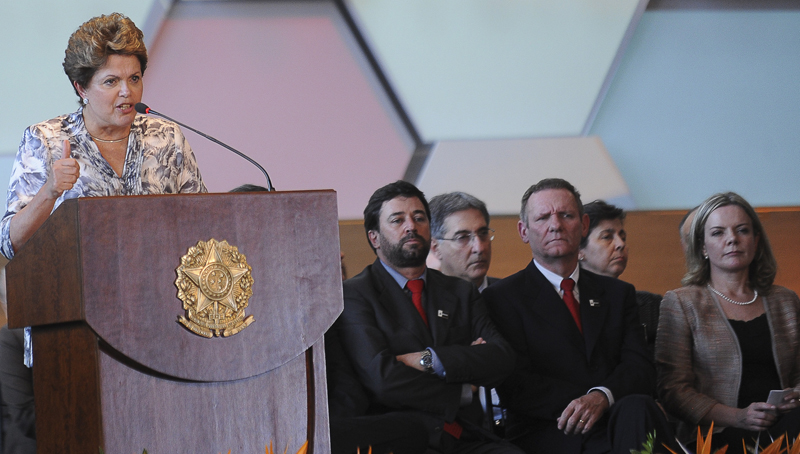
(143, 109)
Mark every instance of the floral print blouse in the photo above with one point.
(158, 161)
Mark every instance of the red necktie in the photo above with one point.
(416, 285)
(569, 298)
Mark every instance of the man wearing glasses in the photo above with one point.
(461, 237)
(461, 241)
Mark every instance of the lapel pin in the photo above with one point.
(594, 303)
(443, 314)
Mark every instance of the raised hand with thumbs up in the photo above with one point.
(64, 174)
(61, 177)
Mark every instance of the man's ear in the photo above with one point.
(435, 249)
(522, 229)
(374, 238)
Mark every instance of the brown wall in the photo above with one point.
(656, 260)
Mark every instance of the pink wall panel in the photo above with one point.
(283, 83)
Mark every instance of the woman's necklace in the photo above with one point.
(108, 141)
(738, 303)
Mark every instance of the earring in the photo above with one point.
(705, 256)
(85, 101)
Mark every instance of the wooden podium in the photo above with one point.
(113, 368)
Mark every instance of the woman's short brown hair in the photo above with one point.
(763, 268)
(99, 37)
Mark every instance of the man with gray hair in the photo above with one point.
(461, 238)
(461, 241)
(583, 379)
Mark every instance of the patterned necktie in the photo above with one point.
(416, 285)
(569, 298)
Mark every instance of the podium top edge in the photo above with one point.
(197, 194)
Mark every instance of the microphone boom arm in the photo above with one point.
(228, 147)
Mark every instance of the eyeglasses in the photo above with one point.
(465, 239)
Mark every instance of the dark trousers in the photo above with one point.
(402, 433)
(472, 444)
(625, 426)
(16, 392)
(390, 433)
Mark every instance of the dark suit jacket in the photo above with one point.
(379, 322)
(557, 364)
(347, 398)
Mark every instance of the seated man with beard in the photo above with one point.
(420, 342)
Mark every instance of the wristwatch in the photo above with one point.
(426, 361)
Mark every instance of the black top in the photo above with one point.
(759, 374)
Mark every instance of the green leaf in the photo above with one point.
(647, 446)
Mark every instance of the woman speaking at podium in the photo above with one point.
(102, 149)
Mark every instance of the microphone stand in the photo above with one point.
(142, 108)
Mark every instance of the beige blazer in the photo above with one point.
(698, 358)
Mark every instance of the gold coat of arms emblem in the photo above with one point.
(215, 284)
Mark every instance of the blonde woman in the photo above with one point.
(730, 336)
